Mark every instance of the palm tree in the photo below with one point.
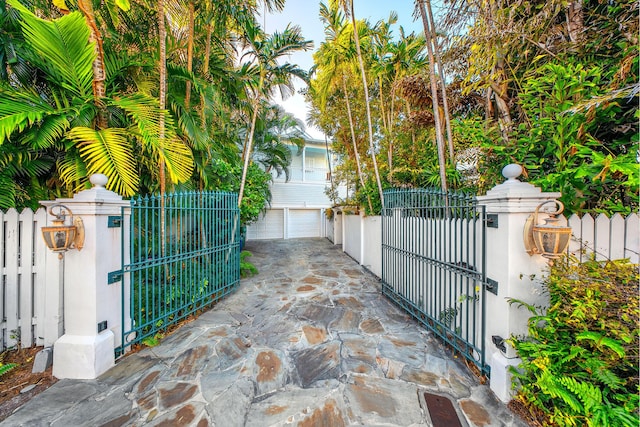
(59, 114)
(394, 61)
(273, 127)
(262, 53)
(434, 98)
(433, 41)
(333, 59)
(347, 6)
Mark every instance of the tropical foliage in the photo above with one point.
(551, 85)
(580, 359)
(96, 88)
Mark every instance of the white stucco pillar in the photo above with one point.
(516, 272)
(337, 226)
(92, 309)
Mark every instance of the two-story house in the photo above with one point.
(297, 206)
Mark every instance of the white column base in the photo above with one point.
(83, 357)
(500, 382)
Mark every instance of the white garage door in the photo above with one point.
(304, 223)
(271, 226)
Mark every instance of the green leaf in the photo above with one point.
(4, 368)
(145, 115)
(109, 152)
(20, 110)
(123, 4)
(62, 49)
(601, 340)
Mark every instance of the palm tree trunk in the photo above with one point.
(382, 114)
(99, 74)
(385, 126)
(434, 97)
(353, 139)
(205, 70)
(443, 87)
(247, 152)
(162, 36)
(187, 96)
(392, 108)
(502, 101)
(366, 102)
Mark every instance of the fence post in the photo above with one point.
(516, 272)
(92, 306)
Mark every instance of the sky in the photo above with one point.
(305, 13)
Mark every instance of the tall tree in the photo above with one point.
(395, 60)
(434, 98)
(347, 6)
(58, 113)
(432, 39)
(333, 60)
(262, 53)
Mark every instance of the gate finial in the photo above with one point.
(98, 180)
(512, 172)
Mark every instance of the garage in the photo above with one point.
(286, 223)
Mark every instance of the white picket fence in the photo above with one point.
(608, 238)
(31, 292)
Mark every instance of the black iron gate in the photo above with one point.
(184, 252)
(433, 264)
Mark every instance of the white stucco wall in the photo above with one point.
(372, 244)
(352, 244)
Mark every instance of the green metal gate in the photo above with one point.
(433, 264)
(184, 252)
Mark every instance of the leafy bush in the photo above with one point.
(580, 361)
(257, 195)
(247, 269)
(566, 147)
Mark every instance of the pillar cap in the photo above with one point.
(96, 200)
(514, 195)
(512, 171)
(99, 180)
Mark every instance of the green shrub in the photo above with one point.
(580, 361)
(246, 268)
(6, 367)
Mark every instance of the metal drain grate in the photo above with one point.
(441, 411)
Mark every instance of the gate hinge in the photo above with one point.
(114, 221)
(492, 220)
(114, 277)
(492, 286)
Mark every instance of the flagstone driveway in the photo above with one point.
(309, 341)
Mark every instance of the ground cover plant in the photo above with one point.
(580, 358)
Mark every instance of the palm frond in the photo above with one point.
(50, 130)
(178, 159)
(189, 123)
(19, 110)
(23, 162)
(144, 112)
(108, 151)
(72, 170)
(63, 49)
(8, 192)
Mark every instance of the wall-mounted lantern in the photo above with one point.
(549, 239)
(60, 237)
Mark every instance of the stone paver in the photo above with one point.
(309, 341)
